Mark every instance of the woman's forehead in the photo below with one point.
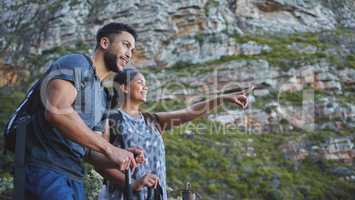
(139, 76)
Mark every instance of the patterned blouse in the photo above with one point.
(144, 132)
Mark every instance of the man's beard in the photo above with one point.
(110, 61)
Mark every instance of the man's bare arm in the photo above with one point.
(60, 96)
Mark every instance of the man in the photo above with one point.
(73, 103)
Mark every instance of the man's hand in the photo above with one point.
(124, 159)
(149, 180)
(138, 153)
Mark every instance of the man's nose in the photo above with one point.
(128, 54)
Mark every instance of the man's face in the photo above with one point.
(119, 52)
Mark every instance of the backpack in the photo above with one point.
(22, 115)
(15, 136)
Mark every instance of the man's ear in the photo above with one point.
(105, 42)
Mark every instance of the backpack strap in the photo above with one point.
(19, 182)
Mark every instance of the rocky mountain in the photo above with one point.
(169, 31)
(296, 139)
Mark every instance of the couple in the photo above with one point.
(130, 126)
(63, 129)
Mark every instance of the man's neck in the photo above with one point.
(131, 108)
(98, 60)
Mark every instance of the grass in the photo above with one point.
(282, 40)
(295, 98)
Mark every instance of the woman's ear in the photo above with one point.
(124, 89)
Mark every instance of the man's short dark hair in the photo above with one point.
(109, 30)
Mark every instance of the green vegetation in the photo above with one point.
(295, 98)
(199, 38)
(281, 55)
(260, 102)
(10, 99)
(225, 59)
(343, 32)
(282, 40)
(216, 165)
(351, 61)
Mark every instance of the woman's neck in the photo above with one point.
(131, 108)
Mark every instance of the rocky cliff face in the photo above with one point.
(169, 31)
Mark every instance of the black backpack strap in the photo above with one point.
(19, 182)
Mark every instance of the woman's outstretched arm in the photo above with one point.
(174, 118)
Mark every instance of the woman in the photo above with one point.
(129, 126)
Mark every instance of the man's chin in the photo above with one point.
(119, 68)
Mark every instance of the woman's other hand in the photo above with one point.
(148, 180)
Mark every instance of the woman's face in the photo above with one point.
(137, 89)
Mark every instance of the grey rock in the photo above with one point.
(327, 76)
(284, 16)
(347, 75)
(333, 85)
(303, 48)
(169, 31)
(262, 92)
(342, 171)
(252, 48)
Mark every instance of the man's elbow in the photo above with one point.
(51, 117)
(54, 115)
